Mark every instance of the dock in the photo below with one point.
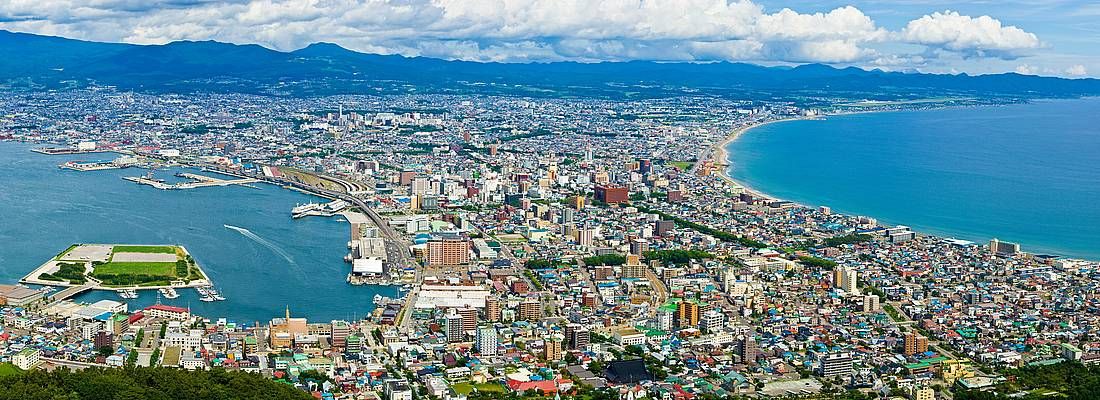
(197, 181)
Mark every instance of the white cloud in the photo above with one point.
(521, 30)
(1077, 70)
(1025, 69)
(983, 36)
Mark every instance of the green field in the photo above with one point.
(7, 369)
(466, 388)
(137, 268)
(145, 249)
(682, 165)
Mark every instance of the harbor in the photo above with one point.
(196, 181)
(119, 163)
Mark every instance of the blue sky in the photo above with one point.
(1044, 37)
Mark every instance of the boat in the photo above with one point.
(206, 298)
(302, 210)
(128, 294)
(169, 293)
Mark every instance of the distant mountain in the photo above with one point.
(35, 61)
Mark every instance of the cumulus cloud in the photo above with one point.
(520, 30)
(1077, 70)
(983, 36)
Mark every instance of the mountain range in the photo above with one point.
(36, 61)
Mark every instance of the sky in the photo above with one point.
(1041, 37)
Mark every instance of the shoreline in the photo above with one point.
(719, 156)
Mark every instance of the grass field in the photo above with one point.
(137, 268)
(145, 249)
(467, 388)
(682, 165)
(7, 369)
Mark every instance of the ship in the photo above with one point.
(128, 294)
(169, 293)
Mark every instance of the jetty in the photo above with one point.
(197, 181)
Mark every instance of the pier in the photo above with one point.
(197, 181)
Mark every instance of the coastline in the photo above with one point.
(719, 156)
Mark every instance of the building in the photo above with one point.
(915, 344)
(492, 309)
(846, 279)
(1000, 248)
(530, 310)
(629, 336)
(612, 194)
(924, 394)
(747, 349)
(448, 250)
(639, 246)
(712, 321)
(284, 330)
(340, 332)
(455, 333)
(836, 364)
(687, 314)
(633, 268)
(167, 312)
(577, 337)
(552, 348)
(27, 359)
(487, 340)
(18, 296)
(662, 228)
(398, 389)
(871, 303)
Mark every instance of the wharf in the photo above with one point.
(56, 151)
(197, 182)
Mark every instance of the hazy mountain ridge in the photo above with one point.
(36, 60)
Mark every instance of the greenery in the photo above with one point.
(534, 133)
(847, 239)
(136, 268)
(677, 256)
(721, 235)
(817, 262)
(1069, 380)
(143, 383)
(7, 369)
(71, 272)
(466, 388)
(606, 259)
(145, 249)
(540, 264)
(681, 165)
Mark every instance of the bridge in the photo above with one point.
(72, 291)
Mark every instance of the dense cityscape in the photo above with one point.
(562, 247)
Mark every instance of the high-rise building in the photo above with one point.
(662, 228)
(871, 303)
(687, 314)
(487, 340)
(585, 237)
(747, 349)
(633, 268)
(611, 194)
(454, 326)
(492, 309)
(836, 364)
(448, 250)
(665, 318)
(846, 279)
(639, 246)
(577, 336)
(552, 348)
(340, 332)
(469, 317)
(924, 394)
(915, 344)
(712, 321)
(530, 310)
(1003, 248)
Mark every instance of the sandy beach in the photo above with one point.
(720, 156)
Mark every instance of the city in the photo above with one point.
(540, 247)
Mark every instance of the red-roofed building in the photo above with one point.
(167, 312)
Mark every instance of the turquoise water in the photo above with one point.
(284, 262)
(1027, 173)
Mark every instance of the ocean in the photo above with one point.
(1026, 173)
(259, 258)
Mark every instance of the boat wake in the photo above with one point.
(266, 243)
